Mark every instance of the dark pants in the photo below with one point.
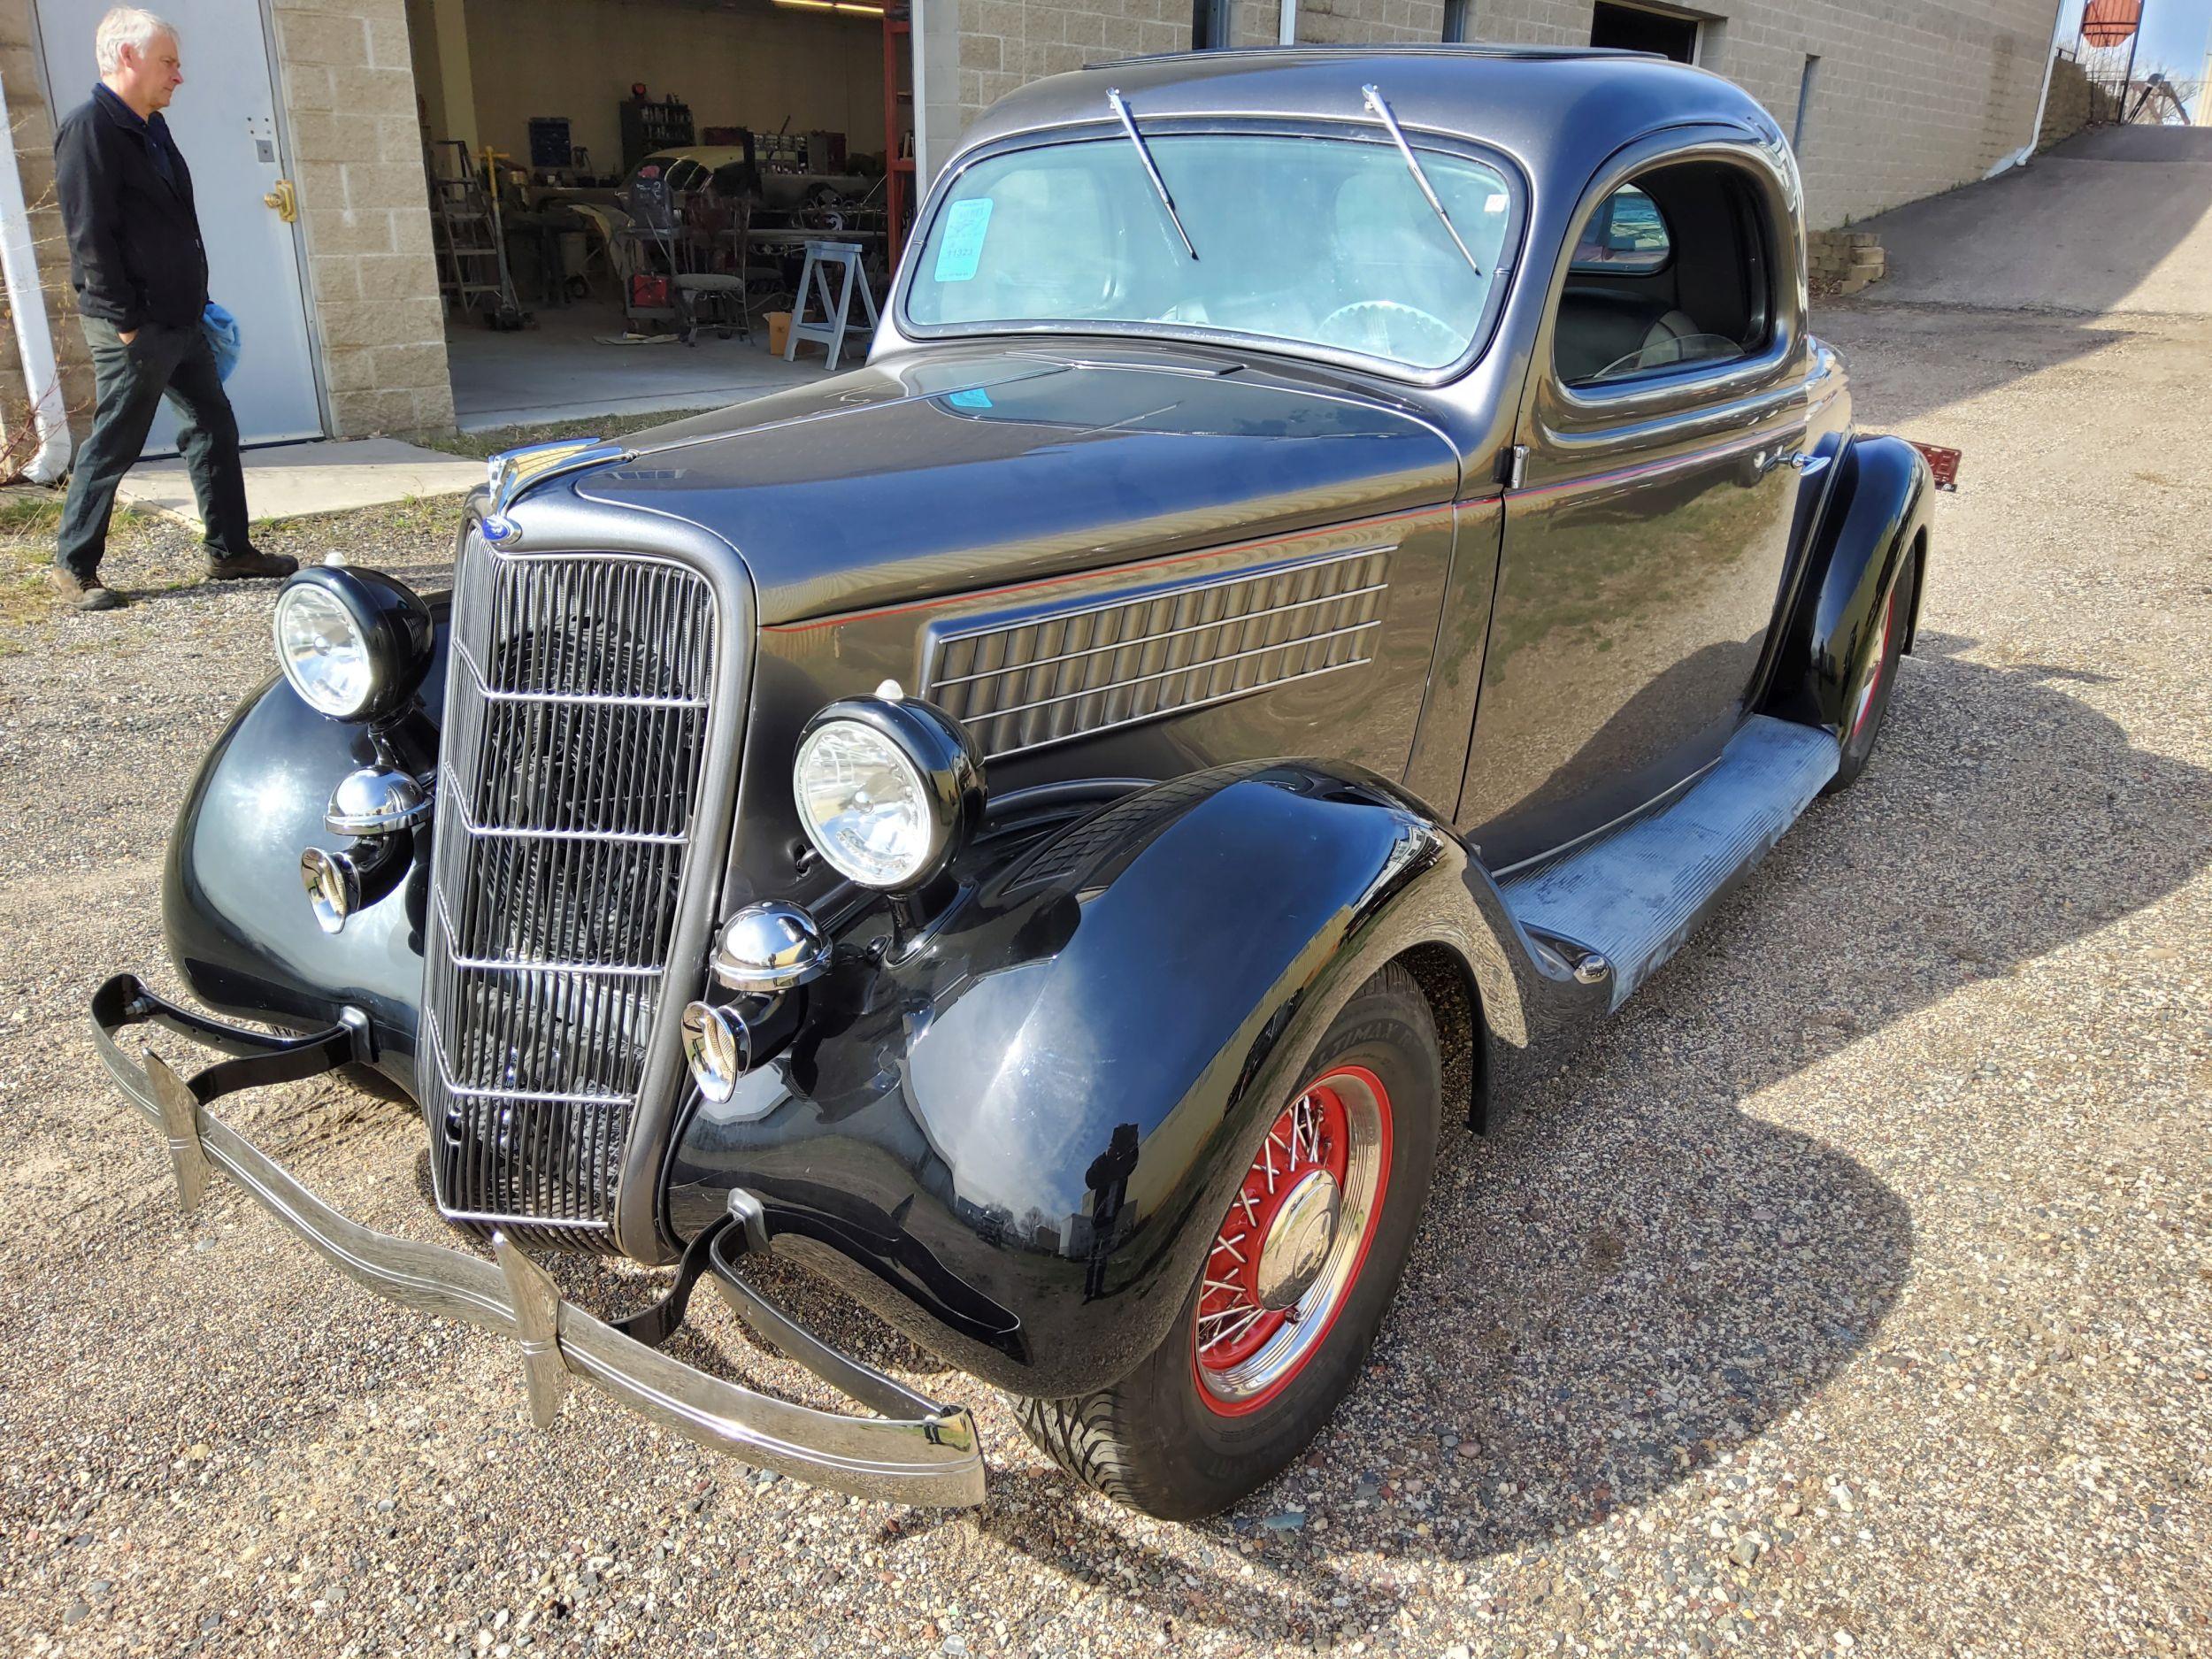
(161, 361)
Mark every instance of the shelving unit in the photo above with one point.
(649, 125)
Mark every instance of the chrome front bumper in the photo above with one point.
(917, 1452)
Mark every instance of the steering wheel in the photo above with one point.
(1374, 326)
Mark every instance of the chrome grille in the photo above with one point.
(577, 705)
(1046, 678)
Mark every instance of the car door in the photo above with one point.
(1647, 514)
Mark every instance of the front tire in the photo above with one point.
(1271, 1336)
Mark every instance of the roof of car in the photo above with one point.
(1550, 106)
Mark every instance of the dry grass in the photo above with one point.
(491, 440)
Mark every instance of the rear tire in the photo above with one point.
(1869, 701)
(1181, 1437)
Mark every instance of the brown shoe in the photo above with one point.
(238, 567)
(81, 595)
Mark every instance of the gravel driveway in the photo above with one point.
(1849, 1295)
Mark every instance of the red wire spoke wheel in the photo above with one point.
(1870, 701)
(1292, 1245)
(1884, 659)
(1296, 1279)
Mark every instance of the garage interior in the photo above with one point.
(624, 194)
(1637, 29)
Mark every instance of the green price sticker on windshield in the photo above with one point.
(961, 247)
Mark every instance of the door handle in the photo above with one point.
(285, 200)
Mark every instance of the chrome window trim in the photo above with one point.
(1687, 387)
(1503, 277)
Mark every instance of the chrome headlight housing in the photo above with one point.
(353, 644)
(887, 789)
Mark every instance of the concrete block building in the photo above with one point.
(305, 122)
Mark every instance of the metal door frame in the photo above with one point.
(286, 165)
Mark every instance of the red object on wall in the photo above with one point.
(2109, 22)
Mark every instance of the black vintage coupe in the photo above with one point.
(1335, 560)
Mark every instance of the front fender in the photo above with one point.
(1877, 509)
(942, 1136)
(239, 927)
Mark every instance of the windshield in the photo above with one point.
(1316, 241)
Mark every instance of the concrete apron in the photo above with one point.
(293, 480)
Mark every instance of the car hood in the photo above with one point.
(943, 472)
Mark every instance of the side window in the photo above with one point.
(1669, 272)
(1626, 236)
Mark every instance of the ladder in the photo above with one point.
(467, 237)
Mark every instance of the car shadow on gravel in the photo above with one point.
(1635, 1275)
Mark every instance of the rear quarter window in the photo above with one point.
(1626, 236)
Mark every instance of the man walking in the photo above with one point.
(140, 271)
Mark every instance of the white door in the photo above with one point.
(223, 120)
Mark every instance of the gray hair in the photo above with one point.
(127, 25)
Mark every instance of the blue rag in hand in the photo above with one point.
(222, 337)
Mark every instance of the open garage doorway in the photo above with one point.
(1641, 29)
(623, 193)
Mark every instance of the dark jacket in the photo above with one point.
(135, 250)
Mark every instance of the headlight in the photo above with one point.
(321, 649)
(354, 644)
(887, 789)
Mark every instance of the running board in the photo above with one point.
(1635, 894)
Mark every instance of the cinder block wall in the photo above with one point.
(1354, 22)
(357, 149)
(1844, 261)
(34, 139)
(1008, 44)
(348, 93)
(2068, 111)
(1910, 97)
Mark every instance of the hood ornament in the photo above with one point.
(513, 473)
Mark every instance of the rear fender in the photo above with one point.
(1877, 508)
(1102, 1027)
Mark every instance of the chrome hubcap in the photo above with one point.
(1298, 1239)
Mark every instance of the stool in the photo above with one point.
(836, 312)
(691, 286)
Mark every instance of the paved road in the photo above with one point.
(2117, 219)
(1850, 1296)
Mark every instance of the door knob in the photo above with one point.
(285, 200)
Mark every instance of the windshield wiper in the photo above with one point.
(1159, 184)
(1382, 113)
